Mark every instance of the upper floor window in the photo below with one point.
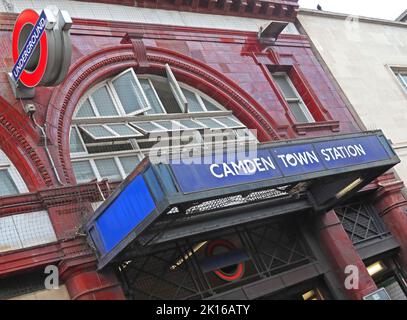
(402, 77)
(10, 180)
(293, 98)
(123, 118)
(25, 230)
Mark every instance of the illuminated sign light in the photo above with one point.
(337, 165)
(277, 162)
(41, 50)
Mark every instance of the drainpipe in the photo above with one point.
(30, 110)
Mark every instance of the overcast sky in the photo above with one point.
(389, 9)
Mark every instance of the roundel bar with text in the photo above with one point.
(163, 202)
(41, 50)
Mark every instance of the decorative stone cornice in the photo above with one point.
(285, 10)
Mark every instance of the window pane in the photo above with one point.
(169, 125)
(403, 80)
(152, 98)
(129, 163)
(128, 92)
(108, 169)
(75, 142)
(210, 106)
(190, 124)
(123, 130)
(167, 98)
(104, 102)
(284, 85)
(299, 115)
(98, 131)
(230, 122)
(85, 111)
(210, 123)
(83, 171)
(193, 103)
(9, 238)
(148, 126)
(7, 185)
(34, 228)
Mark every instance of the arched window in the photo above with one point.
(119, 120)
(10, 180)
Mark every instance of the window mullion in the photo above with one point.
(115, 98)
(200, 101)
(111, 130)
(157, 97)
(95, 169)
(93, 105)
(120, 167)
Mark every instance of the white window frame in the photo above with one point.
(115, 136)
(156, 95)
(399, 72)
(184, 127)
(92, 105)
(116, 157)
(116, 103)
(298, 99)
(75, 127)
(6, 164)
(161, 128)
(145, 102)
(237, 126)
(176, 90)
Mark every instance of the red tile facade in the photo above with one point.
(230, 66)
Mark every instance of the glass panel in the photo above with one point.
(210, 106)
(85, 111)
(34, 228)
(123, 130)
(190, 124)
(193, 103)
(148, 126)
(403, 80)
(151, 96)
(129, 163)
(98, 131)
(7, 185)
(83, 171)
(169, 125)
(299, 115)
(230, 122)
(104, 102)
(75, 142)
(210, 123)
(108, 169)
(285, 87)
(9, 238)
(167, 98)
(129, 93)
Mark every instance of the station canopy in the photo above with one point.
(160, 202)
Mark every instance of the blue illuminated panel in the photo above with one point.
(125, 213)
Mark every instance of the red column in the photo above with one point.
(392, 207)
(341, 253)
(82, 280)
(93, 285)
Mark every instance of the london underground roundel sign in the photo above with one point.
(41, 48)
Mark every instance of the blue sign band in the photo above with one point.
(277, 162)
(29, 46)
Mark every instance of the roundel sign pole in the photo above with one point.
(41, 50)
